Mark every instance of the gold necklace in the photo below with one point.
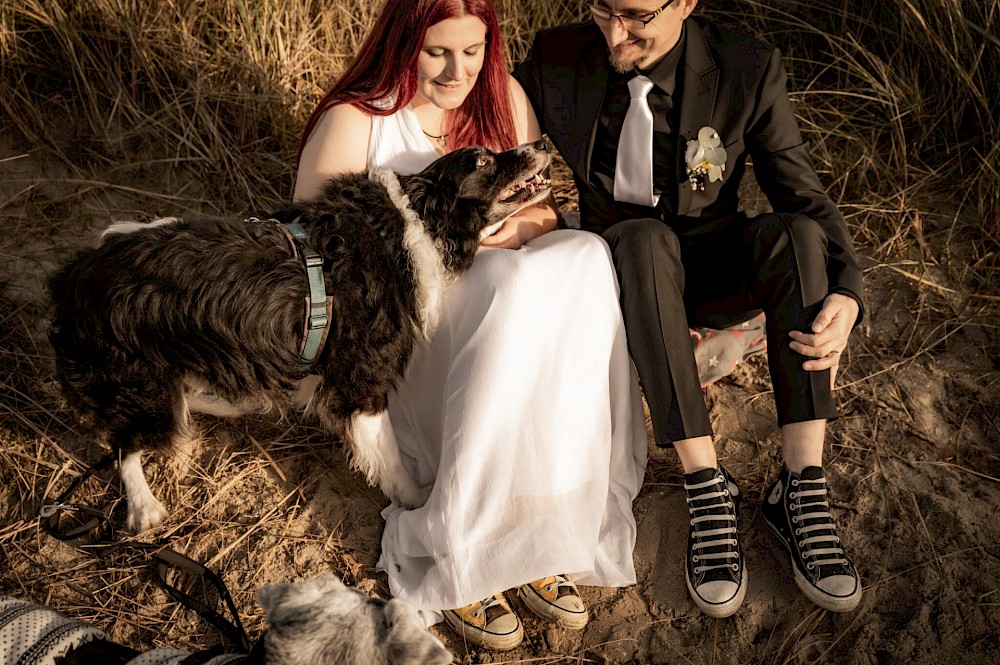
(440, 139)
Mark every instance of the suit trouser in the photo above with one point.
(669, 281)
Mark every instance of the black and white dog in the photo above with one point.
(161, 314)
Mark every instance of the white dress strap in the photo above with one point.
(398, 142)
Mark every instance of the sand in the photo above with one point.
(913, 468)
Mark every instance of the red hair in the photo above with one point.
(386, 68)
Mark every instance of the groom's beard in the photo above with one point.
(622, 62)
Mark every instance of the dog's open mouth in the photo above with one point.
(525, 190)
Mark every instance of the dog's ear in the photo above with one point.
(408, 641)
(287, 596)
(270, 597)
(430, 198)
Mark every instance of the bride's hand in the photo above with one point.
(522, 227)
(511, 235)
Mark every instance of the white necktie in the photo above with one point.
(634, 163)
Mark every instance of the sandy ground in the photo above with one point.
(913, 466)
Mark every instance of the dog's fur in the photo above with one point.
(324, 621)
(312, 622)
(159, 315)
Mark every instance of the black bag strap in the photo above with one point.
(166, 559)
(50, 511)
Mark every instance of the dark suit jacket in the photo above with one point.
(729, 81)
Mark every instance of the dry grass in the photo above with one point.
(129, 108)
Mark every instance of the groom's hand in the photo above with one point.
(830, 331)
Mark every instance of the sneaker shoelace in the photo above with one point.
(562, 582)
(487, 603)
(713, 546)
(812, 518)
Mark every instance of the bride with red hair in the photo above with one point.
(522, 410)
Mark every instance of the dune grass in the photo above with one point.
(898, 98)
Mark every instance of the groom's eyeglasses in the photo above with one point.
(630, 23)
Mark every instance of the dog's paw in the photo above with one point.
(146, 514)
(416, 497)
(408, 641)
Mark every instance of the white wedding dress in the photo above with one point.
(524, 412)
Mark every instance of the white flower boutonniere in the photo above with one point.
(705, 156)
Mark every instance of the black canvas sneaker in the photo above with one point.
(797, 510)
(716, 574)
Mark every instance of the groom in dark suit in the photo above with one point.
(656, 112)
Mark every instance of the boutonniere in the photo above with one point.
(705, 156)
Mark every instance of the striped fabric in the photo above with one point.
(35, 635)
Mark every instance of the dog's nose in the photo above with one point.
(541, 145)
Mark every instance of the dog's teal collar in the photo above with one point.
(317, 315)
(317, 311)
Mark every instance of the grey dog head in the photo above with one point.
(323, 622)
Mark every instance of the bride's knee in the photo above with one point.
(583, 242)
